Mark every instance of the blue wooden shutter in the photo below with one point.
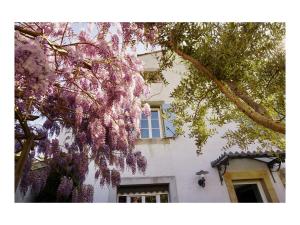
(169, 127)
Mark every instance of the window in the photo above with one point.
(249, 191)
(144, 198)
(151, 125)
(151, 193)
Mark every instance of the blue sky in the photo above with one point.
(141, 48)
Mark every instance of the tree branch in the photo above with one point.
(246, 98)
(241, 105)
(25, 149)
(28, 32)
(200, 100)
(62, 38)
(35, 137)
(22, 160)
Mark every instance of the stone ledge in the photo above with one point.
(153, 141)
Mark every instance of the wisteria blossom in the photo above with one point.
(65, 188)
(87, 82)
(146, 109)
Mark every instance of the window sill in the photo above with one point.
(152, 141)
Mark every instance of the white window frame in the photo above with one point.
(143, 195)
(259, 186)
(150, 125)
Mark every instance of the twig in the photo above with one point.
(62, 38)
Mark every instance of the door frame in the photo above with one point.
(256, 175)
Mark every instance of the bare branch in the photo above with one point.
(63, 35)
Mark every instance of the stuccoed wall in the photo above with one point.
(178, 158)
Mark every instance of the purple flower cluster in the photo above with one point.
(115, 178)
(65, 188)
(97, 131)
(33, 73)
(38, 179)
(89, 85)
(146, 109)
(131, 162)
(83, 194)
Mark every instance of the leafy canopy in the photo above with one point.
(236, 74)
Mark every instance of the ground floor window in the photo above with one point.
(144, 198)
(158, 193)
(249, 191)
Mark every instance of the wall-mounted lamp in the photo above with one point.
(202, 174)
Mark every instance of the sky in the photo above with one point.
(79, 26)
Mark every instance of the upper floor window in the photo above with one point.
(159, 124)
(151, 125)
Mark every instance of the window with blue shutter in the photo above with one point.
(151, 125)
(169, 127)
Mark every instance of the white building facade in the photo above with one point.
(173, 162)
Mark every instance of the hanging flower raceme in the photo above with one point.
(65, 188)
(146, 109)
(83, 194)
(86, 84)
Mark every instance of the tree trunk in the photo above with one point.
(22, 160)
